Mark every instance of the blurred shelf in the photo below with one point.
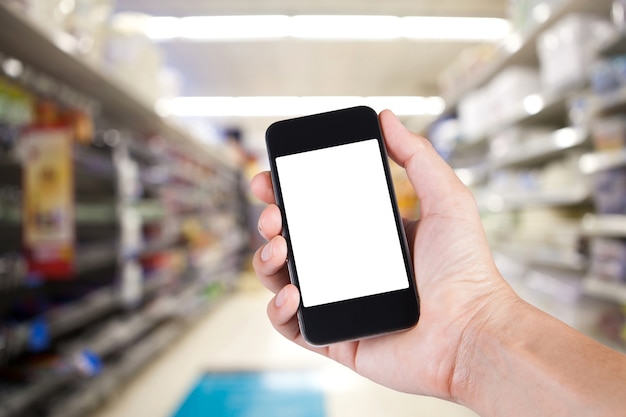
(93, 162)
(605, 290)
(544, 255)
(495, 202)
(95, 256)
(26, 42)
(616, 46)
(559, 141)
(609, 103)
(525, 54)
(604, 225)
(16, 403)
(595, 162)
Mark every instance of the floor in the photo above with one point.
(236, 336)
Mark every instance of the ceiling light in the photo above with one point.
(455, 28)
(316, 27)
(285, 106)
(345, 27)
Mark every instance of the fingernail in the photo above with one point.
(266, 253)
(281, 297)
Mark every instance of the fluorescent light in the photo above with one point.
(234, 27)
(455, 28)
(345, 27)
(284, 106)
(316, 27)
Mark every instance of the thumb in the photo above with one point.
(437, 186)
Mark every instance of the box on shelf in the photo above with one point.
(569, 48)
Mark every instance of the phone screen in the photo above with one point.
(341, 221)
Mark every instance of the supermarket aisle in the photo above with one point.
(237, 336)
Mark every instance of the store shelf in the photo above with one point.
(559, 141)
(609, 103)
(616, 46)
(495, 202)
(525, 54)
(33, 47)
(604, 225)
(544, 255)
(605, 290)
(595, 162)
(18, 402)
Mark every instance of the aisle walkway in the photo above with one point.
(237, 336)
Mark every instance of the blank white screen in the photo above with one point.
(341, 223)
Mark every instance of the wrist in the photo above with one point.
(480, 344)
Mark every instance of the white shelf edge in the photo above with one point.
(606, 290)
(595, 162)
(607, 225)
(554, 145)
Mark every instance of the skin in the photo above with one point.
(477, 343)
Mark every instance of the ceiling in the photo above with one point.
(310, 68)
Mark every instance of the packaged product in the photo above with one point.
(574, 40)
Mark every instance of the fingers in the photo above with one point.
(270, 222)
(282, 309)
(261, 186)
(270, 264)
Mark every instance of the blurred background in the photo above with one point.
(129, 131)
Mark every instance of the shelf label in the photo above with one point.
(48, 224)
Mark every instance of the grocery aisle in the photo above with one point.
(236, 336)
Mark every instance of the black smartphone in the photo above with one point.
(347, 250)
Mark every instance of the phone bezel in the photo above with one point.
(360, 317)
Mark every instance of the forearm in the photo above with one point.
(526, 363)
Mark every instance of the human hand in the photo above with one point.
(459, 285)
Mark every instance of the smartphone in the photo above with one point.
(347, 250)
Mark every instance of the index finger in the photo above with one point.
(261, 186)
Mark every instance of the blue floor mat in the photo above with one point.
(255, 394)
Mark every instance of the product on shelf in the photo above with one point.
(48, 225)
(609, 134)
(608, 259)
(499, 103)
(608, 75)
(609, 191)
(574, 40)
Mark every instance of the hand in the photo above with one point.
(459, 285)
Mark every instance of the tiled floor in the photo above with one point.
(237, 336)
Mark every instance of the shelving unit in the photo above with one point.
(522, 52)
(158, 238)
(487, 163)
